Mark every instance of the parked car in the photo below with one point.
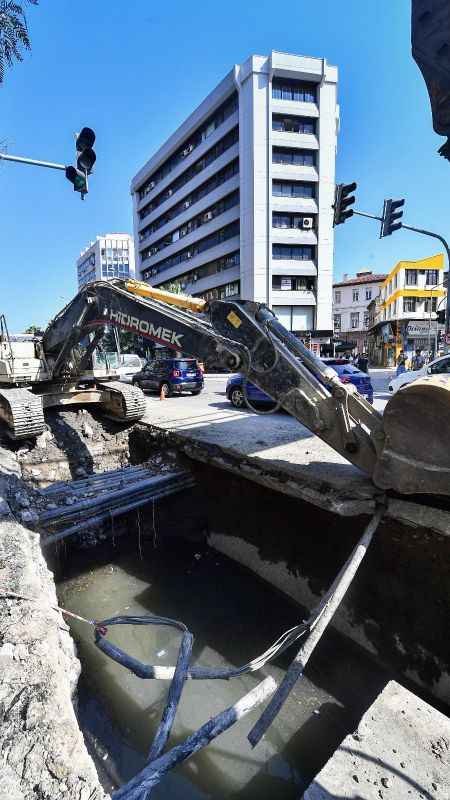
(346, 371)
(129, 365)
(171, 376)
(440, 366)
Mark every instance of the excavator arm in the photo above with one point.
(247, 337)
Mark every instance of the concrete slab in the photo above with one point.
(401, 751)
(278, 452)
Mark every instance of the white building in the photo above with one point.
(110, 256)
(351, 296)
(238, 201)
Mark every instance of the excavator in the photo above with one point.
(406, 450)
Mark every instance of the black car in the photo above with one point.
(171, 376)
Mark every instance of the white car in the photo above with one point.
(130, 364)
(440, 366)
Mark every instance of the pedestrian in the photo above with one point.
(418, 361)
(363, 363)
(401, 363)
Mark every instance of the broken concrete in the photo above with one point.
(401, 750)
(42, 751)
(281, 454)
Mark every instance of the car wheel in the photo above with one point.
(196, 391)
(237, 397)
(165, 389)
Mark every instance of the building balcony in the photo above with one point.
(293, 267)
(210, 281)
(293, 236)
(294, 172)
(301, 205)
(283, 297)
(199, 233)
(294, 108)
(194, 183)
(196, 153)
(190, 264)
(194, 210)
(305, 141)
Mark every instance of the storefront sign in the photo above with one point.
(421, 327)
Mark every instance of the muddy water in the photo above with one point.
(234, 617)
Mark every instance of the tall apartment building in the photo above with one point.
(110, 256)
(351, 298)
(238, 201)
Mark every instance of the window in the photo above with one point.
(225, 111)
(297, 252)
(337, 322)
(395, 280)
(292, 189)
(206, 216)
(409, 303)
(292, 283)
(293, 124)
(368, 294)
(295, 318)
(280, 220)
(411, 277)
(354, 319)
(337, 297)
(283, 89)
(366, 319)
(433, 304)
(432, 277)
(205, 188)
(355, 295)
(211, 155)
(441, 367)
(304, 158)
(194, 249)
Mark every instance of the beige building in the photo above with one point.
(351, 298)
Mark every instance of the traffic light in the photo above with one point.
(441, 316)
(430, 36)
(389, 222)
(86, 155)
(85, 161)
(342, 201)
(78, 178)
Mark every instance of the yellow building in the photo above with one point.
(406, 309)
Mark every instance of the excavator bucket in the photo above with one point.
(415, 457)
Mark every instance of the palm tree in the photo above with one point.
(13, 34)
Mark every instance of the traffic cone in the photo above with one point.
(162, 396)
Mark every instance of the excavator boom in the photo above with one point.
(401, 451)
(247, 336)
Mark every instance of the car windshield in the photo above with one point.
(185, 364)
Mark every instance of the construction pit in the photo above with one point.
(237, 559)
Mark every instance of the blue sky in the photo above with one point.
(133, 71)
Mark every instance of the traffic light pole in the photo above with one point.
(33, 161)
(447, 250)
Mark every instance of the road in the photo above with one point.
(213, 395)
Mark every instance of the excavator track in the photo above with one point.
(22, 412)
(128, 401)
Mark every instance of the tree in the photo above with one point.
(36, 330)
(13, 34)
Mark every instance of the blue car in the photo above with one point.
(170, 376)
(347, 374)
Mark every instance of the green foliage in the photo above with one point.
(35, 330)
(13, 34)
